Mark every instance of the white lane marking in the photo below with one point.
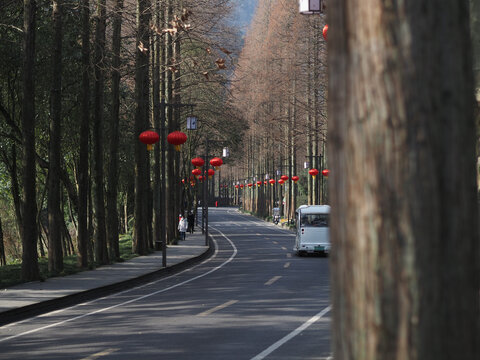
(290, 336)
(289, 255)
(287, 264)
(219, 307)
(100, 354)
(284, 248)
(275, 242)
(138, 298)
(272, 280)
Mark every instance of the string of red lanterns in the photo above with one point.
(313, 172)
(198, 162)
(216, 162)
(177, 138)
(149, 138)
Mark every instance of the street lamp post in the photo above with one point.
(319, 196)
(205, 189)
(309, 7)
(191, 125)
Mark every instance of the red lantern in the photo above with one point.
(241, 186)
(325, 172)
(200, 178)
(196, 172)
(281, 182)
(325, 30)
(313, 172)
(272, 182)
(210, 173)
(216, 162)
(149, 138)
(198, 162)
(284, 177)
(177, 138)
(250, 185)
(237, 186)
(259, 183)
(265, 182)
(295, 178)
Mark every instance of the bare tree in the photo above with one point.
(83, 236)
(99, 183)
(112, 194)
(3, 260)
(141, 121)
(30, 269)
(55, 218)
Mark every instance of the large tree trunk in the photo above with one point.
(30, 269)
(171, 214)
(112, 209)
(475, 33)
(141, 121)
(55, 219)
(158, 210)
(83, 236)
(3, 260)
(405, 247)
(101, 252)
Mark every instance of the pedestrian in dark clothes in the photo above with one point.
(191, 222)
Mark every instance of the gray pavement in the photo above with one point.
(33, 298)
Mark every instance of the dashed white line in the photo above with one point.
(272, 280)
(290, 336)
(219, 307)
(100, 354)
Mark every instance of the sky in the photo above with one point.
(244, 12)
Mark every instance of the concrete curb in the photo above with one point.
(43, 307)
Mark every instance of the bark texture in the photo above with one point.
(403, 190)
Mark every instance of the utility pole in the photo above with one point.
(163, 184)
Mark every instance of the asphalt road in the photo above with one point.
(254, 299)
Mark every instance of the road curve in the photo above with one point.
(254, 299)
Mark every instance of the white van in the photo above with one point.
(313, 232)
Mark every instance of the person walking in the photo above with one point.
(182, 227)
(191, 222)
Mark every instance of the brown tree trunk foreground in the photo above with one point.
(405, 257)
(30, 270)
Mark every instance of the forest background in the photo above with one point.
(80, 80)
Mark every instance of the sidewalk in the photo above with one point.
(29, 299)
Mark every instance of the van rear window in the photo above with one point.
(314, 220)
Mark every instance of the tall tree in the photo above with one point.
(405, 255)
(101, 252)
(3, 260)
(112, 210)
(55, 221)
(475, 30)
(142, 177)
(30, 269)
(83, 236)
(171, 214)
